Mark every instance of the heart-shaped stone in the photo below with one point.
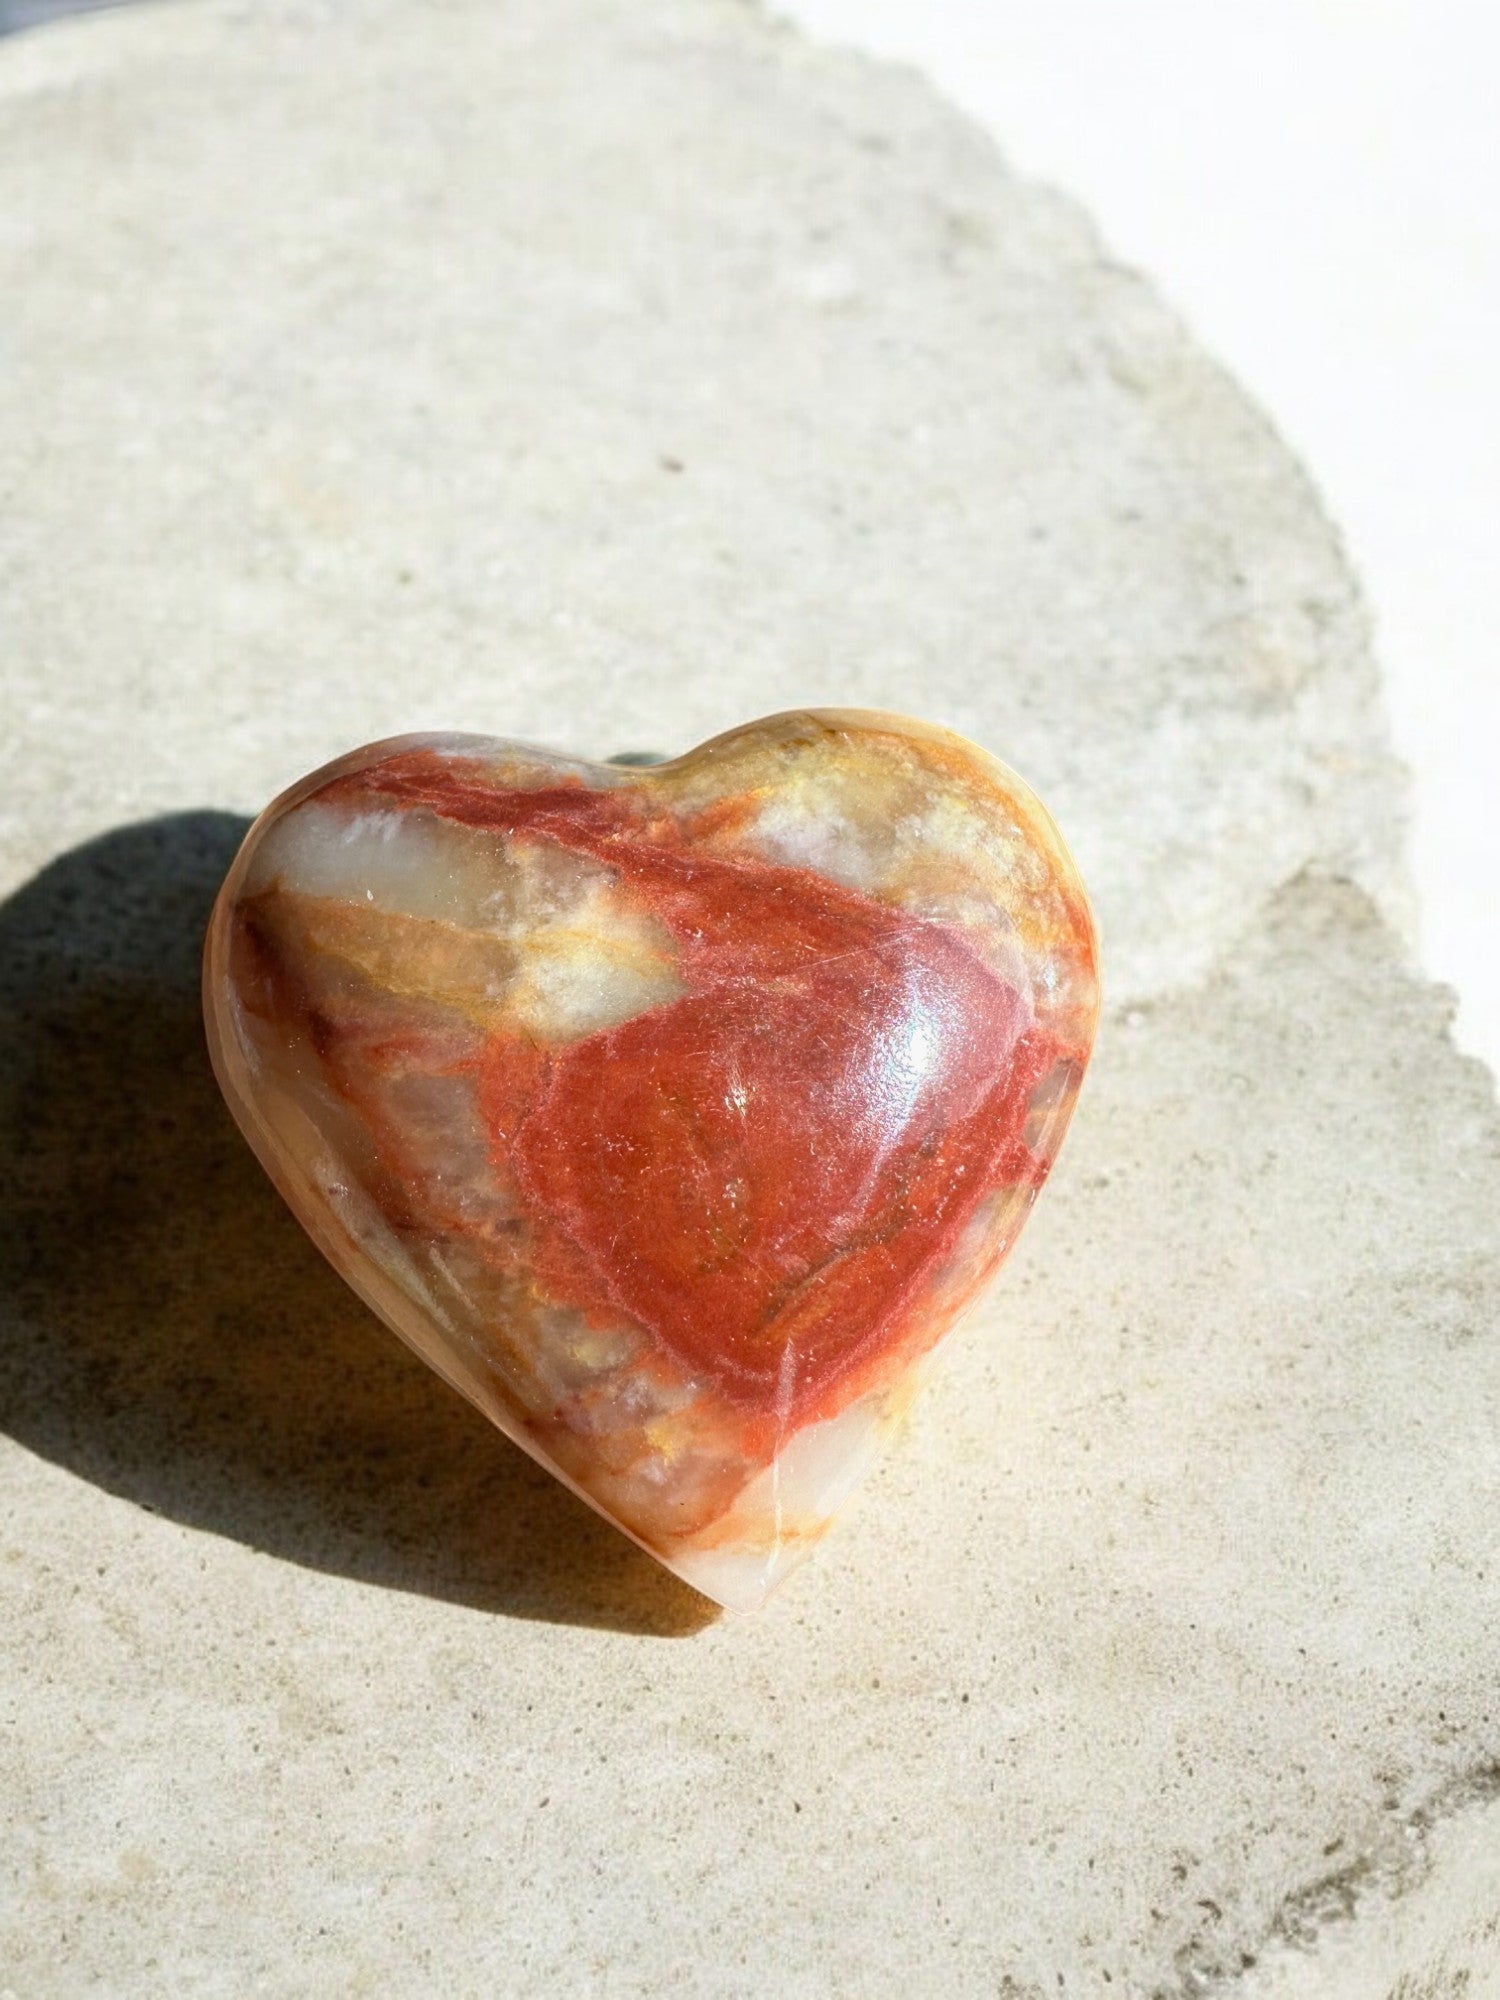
(673, 1114)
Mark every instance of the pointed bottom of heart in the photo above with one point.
(787, 1509)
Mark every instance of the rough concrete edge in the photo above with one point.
(1397, 1861)
(1444, 999)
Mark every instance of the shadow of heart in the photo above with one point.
(168, 1332)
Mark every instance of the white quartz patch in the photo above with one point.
(592, 965)
(810, 831)
(584, 955)
(764, 1534)
(818, 1468)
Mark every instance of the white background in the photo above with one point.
(1316, 185)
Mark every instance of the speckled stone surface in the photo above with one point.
(600, 376)
(673, 1115)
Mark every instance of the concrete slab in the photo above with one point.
(605, 374)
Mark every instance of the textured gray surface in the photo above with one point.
(1424, 1927)
(604, 374)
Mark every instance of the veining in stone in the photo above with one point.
(673, 1114)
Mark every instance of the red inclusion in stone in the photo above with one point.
(769, 1172)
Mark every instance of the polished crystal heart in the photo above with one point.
(672, 1114)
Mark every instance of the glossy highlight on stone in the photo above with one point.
(673, 1114)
